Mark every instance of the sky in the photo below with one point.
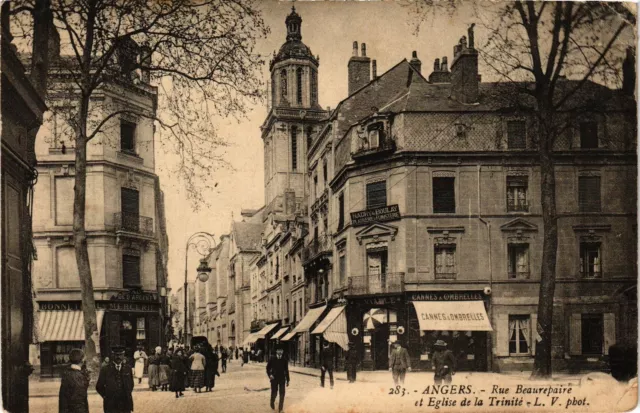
(329, 28)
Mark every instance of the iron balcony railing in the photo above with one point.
(316, 247)
(514, 205)
(391, 282)
(133, 223)
(385, 147)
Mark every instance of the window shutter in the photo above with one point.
(444, 195)
(130, 270)
(609, 331)
(376, 195)
(534, 333)
(502, 335)
(575, 334)
(130, 201)
(589, 193)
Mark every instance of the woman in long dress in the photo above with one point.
(154, 369)
(164, 370)
(178, 373)
(140, 357)
(198, 363)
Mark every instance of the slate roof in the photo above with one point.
(248, 236)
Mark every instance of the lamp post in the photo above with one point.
(196, 239)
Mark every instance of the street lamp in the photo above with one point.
(199, 238)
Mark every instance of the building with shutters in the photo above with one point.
(127, 241)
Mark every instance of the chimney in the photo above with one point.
(440, 72)
(374, 69)
(629, 73)
(145, 61)
(464, 71)
(46, 43)
(445, 66)
(415, 62)
(436, 65)
(359, 68)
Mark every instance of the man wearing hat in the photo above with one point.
(278, 372)
(399, 363)
(443, 362)
(115, 384)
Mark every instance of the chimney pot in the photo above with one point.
(355, 48)
(364, 50)
(436, 65)
(444, 66)
(374, 69)
(414, 55)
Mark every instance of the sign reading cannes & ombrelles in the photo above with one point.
(387, 213)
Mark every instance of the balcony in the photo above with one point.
(299, 114)
(133, 223)
(317, 247)
(384, 284)
(320, 202)
(386, 147)
(514, 205)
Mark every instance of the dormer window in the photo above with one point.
(375, 135)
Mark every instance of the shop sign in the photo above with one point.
(368, 216)
(138, 296)
(134, 307)
(381, 300)
(59, 306)
(446, 296)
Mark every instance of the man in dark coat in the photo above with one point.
(224, 354)
(327, 363)
(75, 382)
(352, 362)
(444, 363)
(210, 368)
(115, 384)
(399, 363)
(278, 372)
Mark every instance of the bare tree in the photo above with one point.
(199, 54)
(551, 58)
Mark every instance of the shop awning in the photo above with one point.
(63, 325)
(289, 336)
(312, 315)
(334, 327)
(265, 330)
(452, 315)
(280, 333)
(249, 340)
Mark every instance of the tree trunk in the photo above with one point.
(91, 333)
(542, 362)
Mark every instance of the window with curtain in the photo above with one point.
(517, 188)
(518, 260)
(140, 329)
(445, 261)
(590, 264)
(519, 334)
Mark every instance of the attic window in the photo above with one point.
(375, 135)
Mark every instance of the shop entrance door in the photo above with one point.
(128, 334)
(380, 345)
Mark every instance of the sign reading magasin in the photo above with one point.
(387, 213)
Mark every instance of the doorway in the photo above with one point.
(380, 346)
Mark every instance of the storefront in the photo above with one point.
(308, 346)
(417, 320)
(333, 329)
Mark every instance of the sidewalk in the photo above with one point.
(51, 387)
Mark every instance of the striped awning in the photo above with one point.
(334, 327)
(249, 340)
(289, 336)
(309, 318)
(64, 325)
(280, 333)
(265, 330)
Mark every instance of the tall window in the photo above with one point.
(516, 134)
(295, 310)
(131, 269)
(325, 172)
(130, 208)
(517, 188)
(286, 308)
(444, 195)
(341, 211)
(590, 260)
(377, 259)
(278, 306)
(445, 261)
(589, 193)
(376, 195)
(140, 330)
(519, 334)
(314, 86)
(342, 266)
(300, 306)
(283, 85)
(588, 135)
(299, 86)
(518, 260)
(592, 333)
(315, 187)
(294, 148)
(277, 268)
(127, 136)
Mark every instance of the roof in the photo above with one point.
(248, 236)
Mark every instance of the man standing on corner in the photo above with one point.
(278, 372)
(399, 363)
(115, 384)
(327, 364)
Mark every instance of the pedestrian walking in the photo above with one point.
(236, 352)
(178, 373)
(352, 362)
(224, 355)
(399, 363)
(115, 384)
(242, 356)
(327, 363)
(164, 370)
(74, 385)
(278, 372)
(444, 363)
(198, 363)
(154, 369)
(210, 368)
(140, 358)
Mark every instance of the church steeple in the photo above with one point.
(294, 25)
